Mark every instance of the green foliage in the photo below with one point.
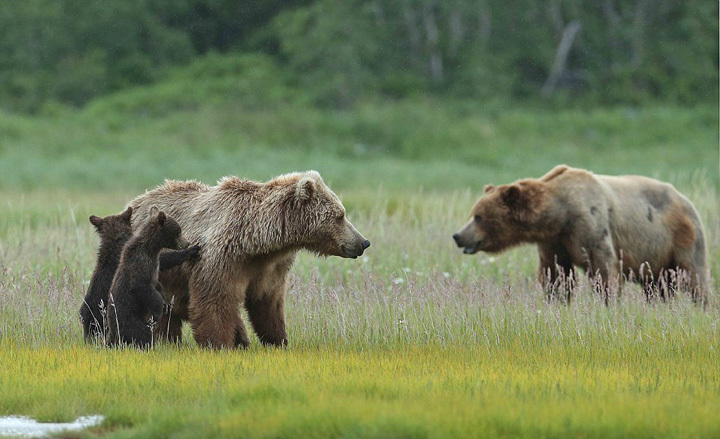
(250, 81)
(340, 53)
(627, 51)
(222, 25)
(74, 50)
(329, 48)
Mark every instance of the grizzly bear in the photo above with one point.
(250, 233)
(637, 227)
(115, 231)
(134, 296)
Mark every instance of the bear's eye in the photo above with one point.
(478, 218)
(340, 217)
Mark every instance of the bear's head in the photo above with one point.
(504, 216)
(164, 230)
(113, 228)
(317, 217)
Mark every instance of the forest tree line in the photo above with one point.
(598, 52)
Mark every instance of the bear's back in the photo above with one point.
(173, 197)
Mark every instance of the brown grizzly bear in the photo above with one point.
(641, 228)
(115, 231)
(134, 297)
(250, 233)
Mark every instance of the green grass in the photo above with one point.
(397, 146)
(414, 339)
(620, 384)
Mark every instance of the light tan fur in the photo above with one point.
(636, 226)
(249, 234)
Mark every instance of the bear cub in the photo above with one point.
(114, 232)
(135, 295)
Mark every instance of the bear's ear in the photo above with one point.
(96, 221)
(305, 189)
(525, 200)
(315, 175)
(488, 188)
(158, 214)
(127, 214)
(512, 196)
(554, 172)
(161, 217)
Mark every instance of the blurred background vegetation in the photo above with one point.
(609, 51)
(100, 93)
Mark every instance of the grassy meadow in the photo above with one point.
(414, 339)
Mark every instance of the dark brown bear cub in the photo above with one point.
(115, 231)
(135, 295)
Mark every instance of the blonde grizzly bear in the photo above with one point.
(249, 233)
(607, 225)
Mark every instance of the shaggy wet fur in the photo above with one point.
(637, 227)
(114, 232)
(134, 296)
(249, 233)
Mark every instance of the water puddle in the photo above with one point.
(22, 426)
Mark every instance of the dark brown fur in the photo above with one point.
(633, 226)
(114, 232)
(249, 233)
(134, 297)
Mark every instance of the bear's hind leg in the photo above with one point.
(91, 321)
(693, 279)
(130, 330)
(169, 328)
(138, 333)
(603, 268)
(691, 264)
(92, 316)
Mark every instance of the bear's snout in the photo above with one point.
(354, 243)
(467, 239)
(182, 243)
(360, 249)
(460, 240)
(356, 250)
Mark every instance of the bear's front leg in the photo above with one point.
(215, 319)
(556, 273)
(267, 316)
(172, 258)
(241, 337)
